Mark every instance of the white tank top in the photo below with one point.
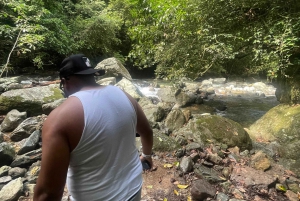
(105, 165)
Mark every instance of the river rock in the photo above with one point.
(201, 190)
(25, 160)
(186, 164)
(215, 128)
(252, 178)
(113, 68)
(192, 87)
(162, 142)
(31, 143)
(33, 172)
(260, 161)
(12, 120)
(219, 81)
(16, 172)
(48, 107)
(4, 170)
(4, 180)
(7, 154)
(130, 88)
(209, 174)
(12, 191)
(107, 81)
(26, 128)
(167, 94)
(154, 113)
(31, 99)
(281, 124)
(184, 99)
(175, 119)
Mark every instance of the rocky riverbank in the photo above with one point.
(199, 154)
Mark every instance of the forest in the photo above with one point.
(177, 38)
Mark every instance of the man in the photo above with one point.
(90, 139)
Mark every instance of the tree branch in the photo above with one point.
(8, 58)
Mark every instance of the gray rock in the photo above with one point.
(113, 68)
(7, 154)
(251, 177)
(4, 180)
(213, 128)
(25, 160)
(219, 81)
(175, 119)
(201, 190)
(209, 174)
(162, 142)
(192, 86)
(194, 146)
(214, 158)
(29, 189)
(260, 161)
(184, 99)
(107, 81)
(48, 107)
(31, 143)
(222, 197)
(33, 172)
(25, 129)
(4, 170)
(30, 98)
(130, 88)
(154, 113)
(186, 164)
(16, 172)
(12, 191)
(12, 120)
(167, 94)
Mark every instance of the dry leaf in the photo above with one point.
(189, 198)
(182, 186)
(168, 165)
(176, 192)
(150, 186)
(160, 139)
(176, 164)
(165, 199)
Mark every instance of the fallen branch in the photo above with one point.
(8, 58)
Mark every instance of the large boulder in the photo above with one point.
(175, 119)
(154, 113)
(113, 68)
(48, 107)
(130, 88)
(212, 128)
(12, 120)
(30, 99)
(281, 124)
(167, 94)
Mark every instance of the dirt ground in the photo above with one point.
(161, 184)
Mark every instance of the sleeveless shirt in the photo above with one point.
(105, 164)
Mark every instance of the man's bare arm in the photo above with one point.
(143, 128)
(56, 148)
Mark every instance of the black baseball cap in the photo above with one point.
(77, 64)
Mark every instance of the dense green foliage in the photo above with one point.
(178, 37)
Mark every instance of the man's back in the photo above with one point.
(105, 164)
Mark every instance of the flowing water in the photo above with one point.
(244, 104)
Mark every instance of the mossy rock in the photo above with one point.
(281, 124)
(212, 128)
(29, 100)
(162, 142)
